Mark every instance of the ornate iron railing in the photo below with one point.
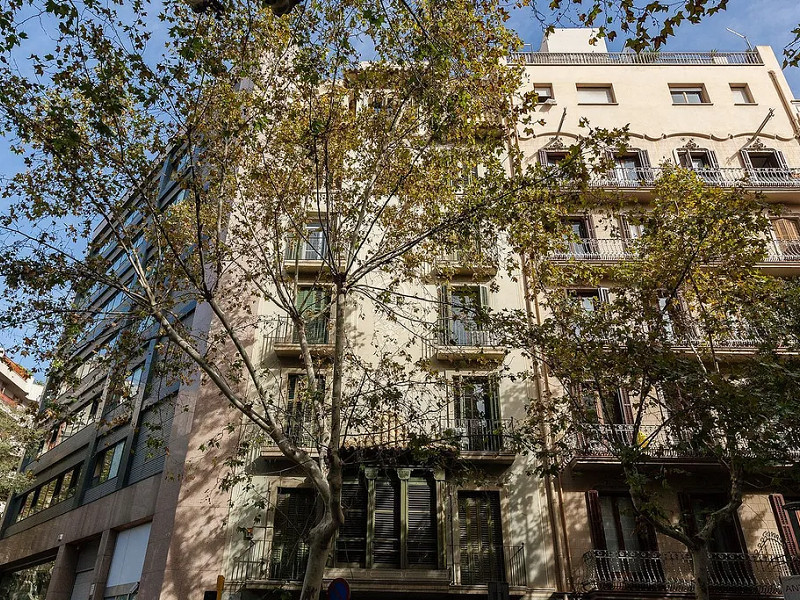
(611, 249)
(632, 58)
(606, 441)
(479, 566)
(483, 435)
(645, 177)
(454, 332)
(729, 572)
(283, 330)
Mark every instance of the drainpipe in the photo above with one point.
(554, 507)
(785, 102)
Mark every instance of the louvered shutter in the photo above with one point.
(784, 525)
(480, 538)
(602, 294)
(626, 406)
(351, 544)
(386, 539)
(786, 229)
(295, 515)
(422, 539)
(595, 520)
(150, 447)
(484, 297)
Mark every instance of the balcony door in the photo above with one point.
(477, 411)
(314, 304)
(299, 417)
(462, 307)
(295, 515)
(729, 569)
(701, 161)
(480, 538)
(787, 237)
(625, 547)
(766, 166)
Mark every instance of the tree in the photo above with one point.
(692, 340)
(275, 136)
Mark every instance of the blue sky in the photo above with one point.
(764, 22)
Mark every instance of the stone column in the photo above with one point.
(102, 563)
(63, 577)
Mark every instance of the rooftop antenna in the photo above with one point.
(741, 35)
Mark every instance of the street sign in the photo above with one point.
(791, 587)
(339, 589)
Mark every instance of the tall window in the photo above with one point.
(314, 304)
(311, 245)
(390, 521)
(766, 166)
(701, 161)
(295, 515)
(107, 463)
(461, 311)
(299, 417)
(477, 412)
(614, 524)
(480, 538)
(632, 167)
(787, 236)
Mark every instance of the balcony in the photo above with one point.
(259, 567)
(656, 442)
(456, 340)
(595, 249)
(482, 260)
(730, 573)
(284, 336)
(643, 178)
(475, 439)
(606, 250)
(529, 57)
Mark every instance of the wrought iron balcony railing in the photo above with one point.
(483, 435)
(454, 332)
(613, 249)
(479, 566)
(645, 177)
(606, 440)
(729, 572)
(529, 57)
(265, 561)
(284, 331)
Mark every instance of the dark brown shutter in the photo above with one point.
(595, 519)
(295, 515)
(626, 406)
(481, 537)
(687, 514)
(784, 525)
(351, 544)
(422, 541)
(386, 541)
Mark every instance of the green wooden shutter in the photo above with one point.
(351, 544)
(386, 540)
(295, 515)
(422, 539)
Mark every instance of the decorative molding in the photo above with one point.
(555, 144)
(757, 144)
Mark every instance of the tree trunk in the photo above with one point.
(701, 564)
(319, 542)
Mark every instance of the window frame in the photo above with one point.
(547, 98)
(746, 94)
(687, 89)
(606, 87)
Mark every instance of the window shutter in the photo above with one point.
(683, 158)
(780, 158)
(595, 519)
(602, 294)
(295, 515)
(748, 164)
(458, 400)
(480, 537)
(386, 541)
(712, 159)
(484, 297)
(543, 157)
(784, 525)
(351, 544)
(687, 514)
(626, 406)
(444, 302)
(422, 540)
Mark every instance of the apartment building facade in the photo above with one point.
(106, 518)
(730, 118)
